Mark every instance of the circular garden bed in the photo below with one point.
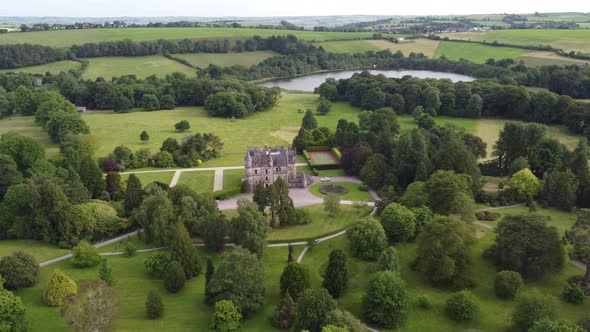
(333, 189)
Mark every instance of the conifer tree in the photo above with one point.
(133, 195)
(184, 252)
(336, 274)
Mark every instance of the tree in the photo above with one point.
(19, 270)
(332, 204)
(226, 317)
(312, 308)
(156, 216)
(386, 302)
(121, 103)
(294, 280)
(280, 203)
(59, 287)
(24, 102)
(12, 312)
(213, 232)
(579, 166)
(174, 277)
(559, 190)
(517, 165)
(105, 273)
(507, 284)
(250, 228)
(309, 122)
(9, 174)
(144, 136)
(165, 159)
(344, 319)
(209, 271)
(303, 140)
(579, 237)
(260, 197)
(443, 187)
(85, 255)
(367, 239)
(462, 306)
(336, 273)
(240, 279)
(526, 244)
(167, 102)
(182, 126)
(285, 313)
(133, 194)
(113, 182)
(474, 106)
(24, 150)
(415, 195)
(93, 309)
(525, 183)
(444, 252)
(183, 251)
(374, 171)
(324, 106)
(156, 265)
(548, 325)
(154, 307)
(91, 176)
(399, 223)
(388, 261)
(531, 307)
(150, 102)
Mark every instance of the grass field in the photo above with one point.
(40, 250)
(54, 67)
(232, 178)
(426, 46)
(353, 194)
(67, 38)
(203, 60)
(200, 182)
(562, 220)
(536, 59)
(568, 40)
(147, 178)
(476, 52)
(142, 67)
(25, 125)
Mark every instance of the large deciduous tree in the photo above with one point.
(250, 228)
(367, 239)
(386, 302)
(156, 216)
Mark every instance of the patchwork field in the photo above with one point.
(203, 60)
(549, 58)
(67, 38)
(568, 40)
(476, 52)
(142, 67)
(54, 67)
(426, 46)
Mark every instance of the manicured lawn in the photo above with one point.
(147, 178)
(353, 194)
(66, 38)
(26, 126)
(560, 219)
(40, 250)
(232, 178)
(568, 40)
(200, 182)
(426, 46)
(142, 67)
(476, 52)
(54, 67)
(203, 60)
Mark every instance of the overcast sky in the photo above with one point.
(98, 8)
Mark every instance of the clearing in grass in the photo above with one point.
(141, 67)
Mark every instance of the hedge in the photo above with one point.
(226, 193)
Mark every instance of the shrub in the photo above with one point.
(344, 319)
(531, 307)
(130, 249)
(294, 280)
(174, 277)
(388, 261)
(507, 284)
(19, 270)
(85, 255)
(367, 239)
(105, 273)
(12, 312)
(488, 215)
(462, 306)
(424, 302)
(156, 265)
(312, 309)
(183, 125)
(285, 313)
(59, 287)
(399, 223)
(299, 217)
(154, 307)
(386, 302)
(226, 317)
(548, 325)
(573, 294)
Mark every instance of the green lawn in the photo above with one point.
(142, 67)
(568, 40)
(232, 178)
(426, 46)
(66, 38)
(200, 182)
(560, 219)
(40, 250)
(203, 60)
(476, 52)
(25, 125)
(353, 194)
(147, 178)
(54, 67)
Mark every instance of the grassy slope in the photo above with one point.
(66, 38)
(353, 194)
(203, 60)
(25, 125)
(428, 47)
(476, 52)
(54, 67)
(140, 66)
(568, 40)
(200, 182)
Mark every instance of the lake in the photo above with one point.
(310, 82)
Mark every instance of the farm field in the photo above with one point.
(476, 52)
(142, 67)
(200, 182)
(426, 46)
(66, 38)
(568, 40)
(536, 59)
(54, 67)
(247, 59)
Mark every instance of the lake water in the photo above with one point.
(310, 82)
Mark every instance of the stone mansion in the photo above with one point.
(268, 164)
